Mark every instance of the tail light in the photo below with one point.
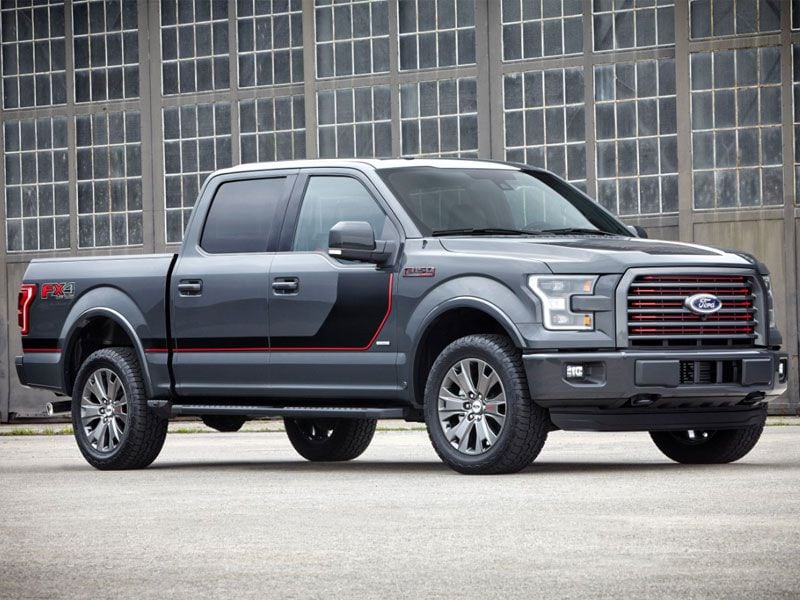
(27, 292)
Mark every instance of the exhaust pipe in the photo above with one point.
(58, 407)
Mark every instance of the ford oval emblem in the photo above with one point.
(703, 304)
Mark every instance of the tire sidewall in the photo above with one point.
(89, 367)
(438, 371)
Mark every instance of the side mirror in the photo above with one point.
(638, 231)
(355, 240)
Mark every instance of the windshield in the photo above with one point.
(502, 201)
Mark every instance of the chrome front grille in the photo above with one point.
(657, 315)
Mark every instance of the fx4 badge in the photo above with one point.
(58, 291)
(419, 272)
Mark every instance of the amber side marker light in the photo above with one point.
(27, 292)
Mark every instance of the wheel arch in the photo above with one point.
(450, 320)
(101, 318)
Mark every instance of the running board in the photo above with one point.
(165, 408)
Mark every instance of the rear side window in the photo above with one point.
(242, 214)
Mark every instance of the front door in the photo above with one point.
(331, 327)
(219, 291)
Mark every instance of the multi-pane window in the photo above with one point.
(36, 184)
(736, 128)
(795, 14)
(796, 95)
(439, 118)
(633, 24)
(533, 29)
(270, 42)
(544, 121)
(635, 128)
(355, 122)
(194, 46)
(436, 33)
(716, 18)
(352, 37)
(33, 53)
(197, 141)
(106, 43)
(272, 129)
(109, 188)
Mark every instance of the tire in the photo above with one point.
(138, 432)
(330, 440)
(508, 436)
(709, 447)
(224, 423)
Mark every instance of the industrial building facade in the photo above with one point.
(682, 116)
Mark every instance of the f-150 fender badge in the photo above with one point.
(58, 291)
(419, 272)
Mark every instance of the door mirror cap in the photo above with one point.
(638, 231)
(355, 240)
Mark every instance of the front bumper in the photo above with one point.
(649, 390)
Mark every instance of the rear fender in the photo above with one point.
(113, 304)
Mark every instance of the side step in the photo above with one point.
(166, 408)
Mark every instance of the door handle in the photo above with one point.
(190, 287)
(286, 285)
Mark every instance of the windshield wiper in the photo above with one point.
(482, 231)
(576, 231)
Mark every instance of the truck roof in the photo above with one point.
(373, 163)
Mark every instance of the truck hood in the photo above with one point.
(590, 254)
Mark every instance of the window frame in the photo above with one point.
(193, 236)
(291, 221)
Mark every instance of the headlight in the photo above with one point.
(770, 302)
(556, 292)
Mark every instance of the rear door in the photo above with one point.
(331, 325)
(219, 287)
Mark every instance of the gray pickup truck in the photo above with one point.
(493, 301)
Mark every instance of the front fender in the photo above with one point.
(481, 293)
(114, 304)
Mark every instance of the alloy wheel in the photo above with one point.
(104, 410)
(472, 406)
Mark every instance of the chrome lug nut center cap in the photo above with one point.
(477, 407)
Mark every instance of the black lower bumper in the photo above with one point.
(655, 390)
(20, 366)
(655, 419)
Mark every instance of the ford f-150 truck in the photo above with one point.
(493, 301)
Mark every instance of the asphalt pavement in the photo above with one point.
(241, 515)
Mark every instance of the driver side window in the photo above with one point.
(330, 199)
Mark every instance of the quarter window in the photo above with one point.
(242, 214)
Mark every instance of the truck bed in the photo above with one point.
(71, 290)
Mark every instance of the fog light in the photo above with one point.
(574, 371)
(783, 368)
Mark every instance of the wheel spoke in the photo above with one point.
(496, 417)
(463, 444)
(450, 401)
(486, 382)
(498, 400)
(485, 433)
(96, 387)
(463, 377)
(116, 433)
(91, 411)
(113, 387)
(459, 430)
(99, 433)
